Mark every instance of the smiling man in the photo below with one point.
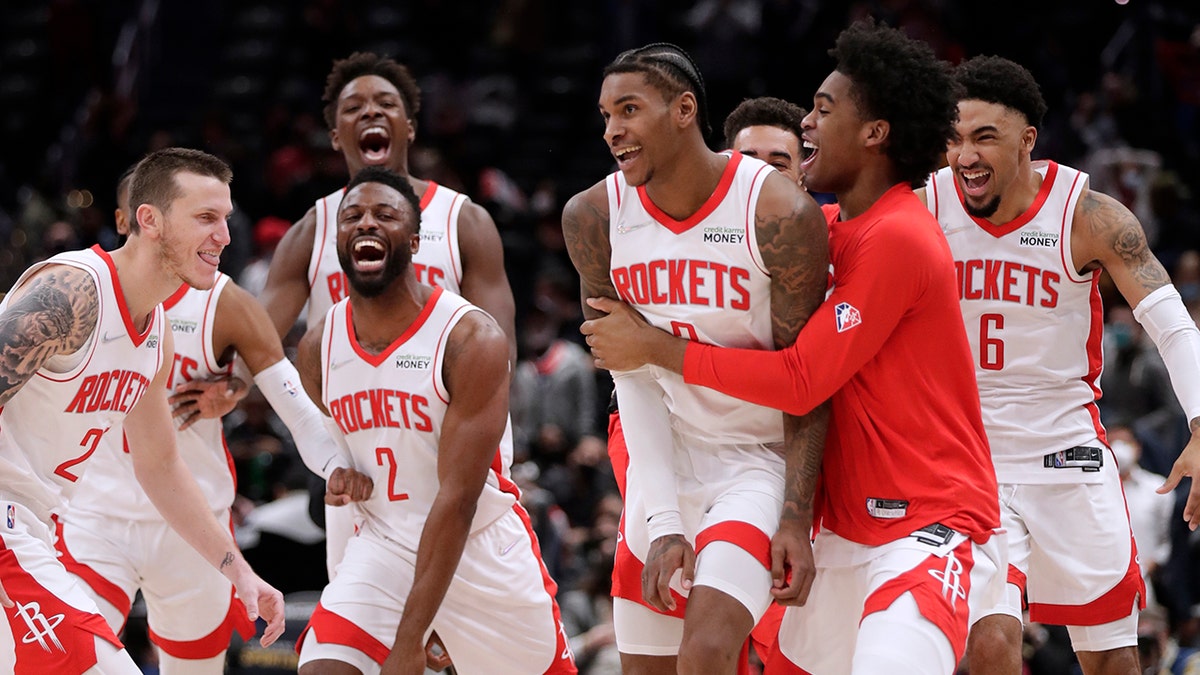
(1030, 242)
(371, 105)
(416, 380)
(720, 248)
(86, 349)
(769, 129)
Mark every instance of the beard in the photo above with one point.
(374, 285)
(985, 211)
(169, 257)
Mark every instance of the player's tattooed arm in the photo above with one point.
(619, 337)
(1112, 238)
(794, 242)
(585, 229)
(55, 312)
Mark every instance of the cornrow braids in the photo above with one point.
(669, 68)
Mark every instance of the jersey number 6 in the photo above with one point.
(991, 349)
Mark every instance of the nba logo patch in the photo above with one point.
(290, 389)
(12, 516)
(847, 316)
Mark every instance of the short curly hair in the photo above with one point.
(385, 176)
(359, 64)
(765, 111)
(898, 79)
(994, 79)
(671, 70)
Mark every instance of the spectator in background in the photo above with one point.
(262, 450)
(1149, 511)
(268, 231)
(1137, 390)
(1159, 651)
(1187, 275)
(554, 391)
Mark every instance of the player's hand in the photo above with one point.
(405, 659)
(436, 658)
(4, 599)
(262, 601)
(666, 555)
(1188, 465)
(792, 566)
(347, 485)
(206, 399)
(622, 340)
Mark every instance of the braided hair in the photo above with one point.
(668, 68)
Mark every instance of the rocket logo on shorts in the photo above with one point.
(951, 579)
(40, 627)
(847, 316)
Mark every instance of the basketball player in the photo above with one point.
(1030, 242)
(764, 128)
(87, 349)
(113, 539)
(416, 379)
(769, 129)
(906, 553)
(723, 249)
(371, 105)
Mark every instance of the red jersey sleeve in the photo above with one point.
(875, 284)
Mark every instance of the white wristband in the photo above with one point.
(280, 384)
(1167, 322)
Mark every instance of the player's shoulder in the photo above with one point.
(476, 342)
(588, 205)
(904, 226)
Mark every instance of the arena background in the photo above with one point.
(508, 115)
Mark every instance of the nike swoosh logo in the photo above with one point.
(338, 364)
(107, 338)
(506, 549)
(626, 229)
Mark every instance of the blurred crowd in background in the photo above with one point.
(509, 116)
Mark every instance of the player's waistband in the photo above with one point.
(1083, 457)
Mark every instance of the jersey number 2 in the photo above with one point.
(991, 349)
(90, 440)
(385, 454)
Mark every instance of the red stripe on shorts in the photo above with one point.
(49, 635)
(102, 587)
(618, 453)
(743, 535)
(215, 642)
(627, 578)
(564, 660)
(941, 587)
(1117, 603)
(335, 629)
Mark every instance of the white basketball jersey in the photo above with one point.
(436, 263)
(51, 428)
(390, 407)
(111, 488)
(1034, 324)
(703, 279)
